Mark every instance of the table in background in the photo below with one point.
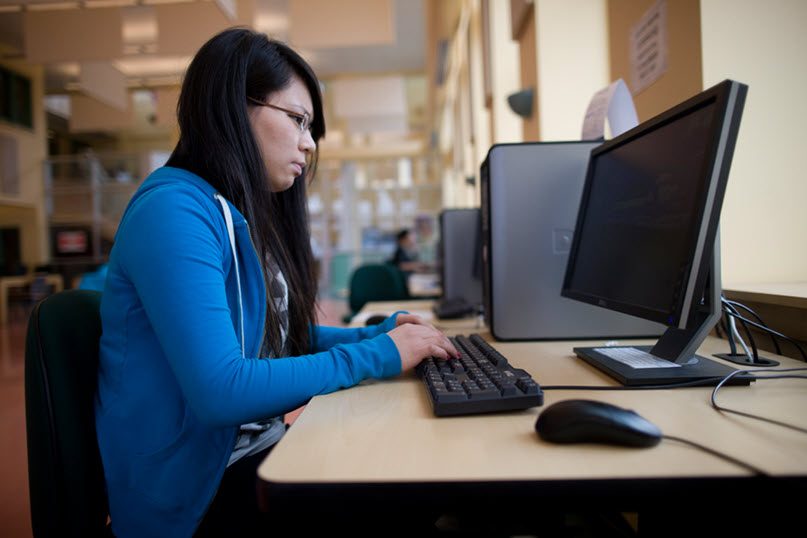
(7, 282)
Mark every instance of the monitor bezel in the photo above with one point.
(728, 97)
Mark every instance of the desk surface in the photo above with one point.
(382, 432)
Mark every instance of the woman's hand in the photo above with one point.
(417, 340)
(404, 318)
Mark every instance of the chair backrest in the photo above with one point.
(341, 263)
(65, 475)
(376, 282)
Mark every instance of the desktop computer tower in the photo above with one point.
(530, 194)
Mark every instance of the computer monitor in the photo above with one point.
(460, 255)
(646, 239)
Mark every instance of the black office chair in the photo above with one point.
(65, 475)
(375, 282)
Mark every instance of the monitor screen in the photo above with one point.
(71, 241)
(645, 242)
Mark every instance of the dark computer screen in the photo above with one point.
(642, 218)
(645, 242)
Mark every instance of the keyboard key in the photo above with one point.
(480, 394)
(528, 386)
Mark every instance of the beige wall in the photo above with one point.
(571, 48)
(563, 55)
(27, 210)
(764, 220)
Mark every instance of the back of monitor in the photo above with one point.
(530, 197)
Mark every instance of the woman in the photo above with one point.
(211, 277)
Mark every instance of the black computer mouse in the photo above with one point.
(589, 421)
(375, 319)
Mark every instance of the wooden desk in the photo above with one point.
(7, 282)
(380, 442)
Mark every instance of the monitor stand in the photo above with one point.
(697, 369)
(675, 349)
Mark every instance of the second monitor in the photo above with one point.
(460, 255)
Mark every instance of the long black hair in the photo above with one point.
(216, 142)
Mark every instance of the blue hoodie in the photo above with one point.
(173, 384)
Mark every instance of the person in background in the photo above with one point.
(406, 255)
(208, 309)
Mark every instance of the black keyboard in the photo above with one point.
(480, 381)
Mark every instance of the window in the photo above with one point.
(15, 98)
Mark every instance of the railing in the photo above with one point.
(85, 196)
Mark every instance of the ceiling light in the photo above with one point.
(108, 3)
(53, 6)
(147, 66)
(157, 2)
(274, 24)
(139, 25)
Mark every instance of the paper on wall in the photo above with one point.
(615, 103)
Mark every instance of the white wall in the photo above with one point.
(764, 221)
(572, 43)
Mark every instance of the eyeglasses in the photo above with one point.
(303, 120)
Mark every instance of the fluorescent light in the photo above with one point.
(53, 6)
(109, 3)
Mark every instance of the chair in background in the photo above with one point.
(339, 274)
(65, 474)
(375, 282)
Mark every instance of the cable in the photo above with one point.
(744, 465)
(773, 338)
(735, 335)
(780, 335)
(732, 313)
(757, 417)
(726, 329)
